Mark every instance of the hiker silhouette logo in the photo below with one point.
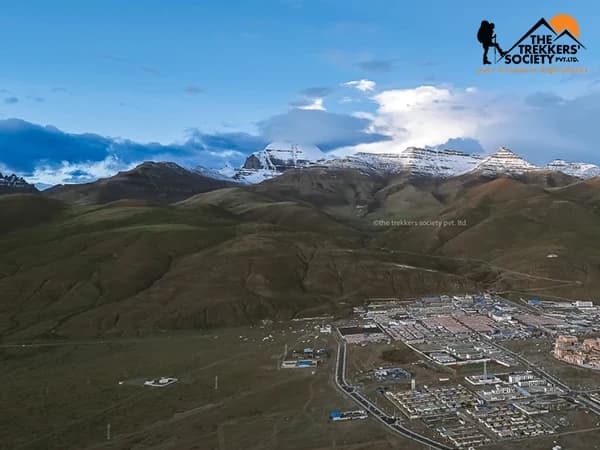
(547, 42)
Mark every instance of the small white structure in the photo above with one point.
(326, 329)
(160, 382)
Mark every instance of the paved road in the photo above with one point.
(366, 404)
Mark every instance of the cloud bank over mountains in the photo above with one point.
(541, 126)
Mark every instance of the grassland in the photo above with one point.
(63, 395)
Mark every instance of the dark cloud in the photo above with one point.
(48, 147)
(377, 65)
(467, 145)
(194, 90)
(318, 91)
(237, 141)
(324, 129)
(11, 100)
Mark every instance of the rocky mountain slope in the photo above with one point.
(13, 184)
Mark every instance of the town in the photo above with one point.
(470, 370)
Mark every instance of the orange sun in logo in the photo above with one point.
(562, 22)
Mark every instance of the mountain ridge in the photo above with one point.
(442, 163)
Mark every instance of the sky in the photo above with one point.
(89, 88)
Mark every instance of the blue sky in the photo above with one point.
(211, 80)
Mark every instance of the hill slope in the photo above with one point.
(304, 243)
(154, 182)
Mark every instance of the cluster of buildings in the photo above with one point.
(432, 403)
(464, 333)
(447, 317)
(462, 434)
(304, 359)
(579, 317)
(585, 353)
(518, 386)
(507, 422)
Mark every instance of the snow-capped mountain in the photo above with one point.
(416, 161)
(227, 173)
(276, 158)
(504, 161)
(13, 183)
(580, 170)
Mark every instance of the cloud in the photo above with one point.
(11, 100)
(194, 90)
(312, 98)
(377, 65)
(468, 145)
(240, 142)
(541, 126)
(361, 85)
(48, 155)
(428, 115)
(309, 103)
(77, 172)
(324, 129)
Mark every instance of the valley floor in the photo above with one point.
(59, 395)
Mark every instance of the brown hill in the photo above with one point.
(301, 244)
(156, 182)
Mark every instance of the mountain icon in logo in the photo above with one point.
(567, 33)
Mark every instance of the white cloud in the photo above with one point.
(541, 126)
(426, 115)
(226, 154)
(80, 172)
(316, 104)
(361, 85)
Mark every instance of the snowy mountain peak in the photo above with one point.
(580, 170)
(502, 161)
(294, 152)
(276, 158)
(413, 160)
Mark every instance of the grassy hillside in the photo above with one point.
(302, 244)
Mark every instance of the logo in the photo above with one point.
(548, 42)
